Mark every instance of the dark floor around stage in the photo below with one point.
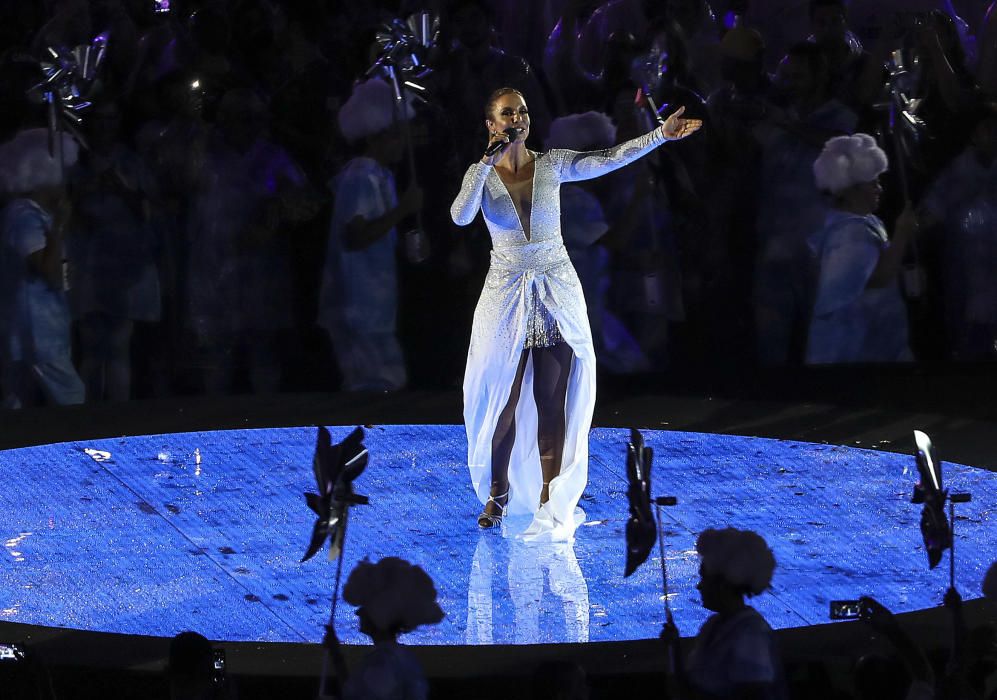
(875, 407)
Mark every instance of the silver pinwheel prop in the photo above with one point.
(906, 128)
(405, 59)
(406, 45)
(335, 467)
(69, 79)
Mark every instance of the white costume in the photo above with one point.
(531, 278)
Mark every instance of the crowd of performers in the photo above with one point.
(236, 212)
(205, 239)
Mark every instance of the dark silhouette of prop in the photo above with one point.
(937, 532)
(335, 467)
(929, 491)
(643, 528)
(641, 531)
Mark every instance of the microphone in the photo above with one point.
(512, 132)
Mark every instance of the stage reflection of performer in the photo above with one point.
(531, 336)
(541, 580)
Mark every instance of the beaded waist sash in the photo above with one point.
(531, 259)
(535, 257)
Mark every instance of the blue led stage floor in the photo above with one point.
(144, 540)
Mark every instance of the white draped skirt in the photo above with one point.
(497, 339)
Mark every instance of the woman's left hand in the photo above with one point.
(676, 128)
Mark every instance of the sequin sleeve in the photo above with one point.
(468, 201)
(585, 165)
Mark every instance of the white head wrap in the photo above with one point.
(990, 583)
(394, 593)
(25, 165)
(582, 132)
(370, 110)
(740, 557)
(847, 161)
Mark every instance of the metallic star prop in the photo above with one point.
(335, 467)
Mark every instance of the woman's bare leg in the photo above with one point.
(502, 443)
(551, 369)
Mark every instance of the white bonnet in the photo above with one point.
(580, 132)
(740, 557)
(25, 164)
(990, 583)
(395, 594)
(847, 161)
(370, 110)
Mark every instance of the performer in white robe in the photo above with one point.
(529, 385)
(858, 315)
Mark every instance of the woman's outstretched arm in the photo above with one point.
(585, 165)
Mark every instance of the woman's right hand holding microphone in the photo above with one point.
(497, 137)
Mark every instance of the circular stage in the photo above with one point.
(156, 534)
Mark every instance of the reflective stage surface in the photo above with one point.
(158, 534)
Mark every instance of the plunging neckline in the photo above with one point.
(533, 191)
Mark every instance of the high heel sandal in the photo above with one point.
(488, 520)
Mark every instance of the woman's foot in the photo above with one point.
(494, 511)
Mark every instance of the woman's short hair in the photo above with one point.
(847, 161)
